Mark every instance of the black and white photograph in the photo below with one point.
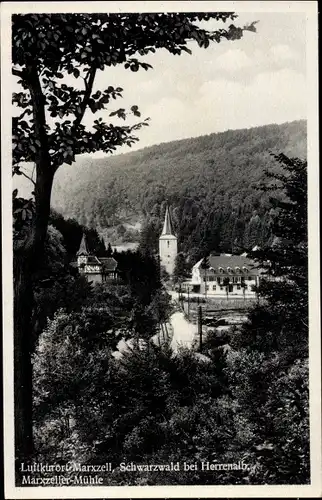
(160, 249)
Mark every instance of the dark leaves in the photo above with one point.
(23, 211)
(120, 113)
(135, 110)
(78, 43)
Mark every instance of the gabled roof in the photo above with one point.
(108, 263)
(83, 250)
(167, 226)
(93, 260)
(225, 261)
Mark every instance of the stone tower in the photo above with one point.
(168, 245)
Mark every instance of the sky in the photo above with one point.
(258, 80)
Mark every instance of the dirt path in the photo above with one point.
(183, 331)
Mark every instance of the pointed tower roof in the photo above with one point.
(83, 250)
(167, 226)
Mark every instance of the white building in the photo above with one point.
(222, 273)
(168, 245)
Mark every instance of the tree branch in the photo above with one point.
(89, 81)
(27, 177)
(26, 112)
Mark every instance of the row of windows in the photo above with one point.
(234, 279)
(229, 269)
(214, 287)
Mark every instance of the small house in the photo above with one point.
(96, 269)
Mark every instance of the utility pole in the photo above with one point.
(159, 269)
(188, 303)
(163, 332)
(166, 331)
(200, 327)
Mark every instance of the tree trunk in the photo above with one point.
(23, 304)
(26, 261)
(27, 256)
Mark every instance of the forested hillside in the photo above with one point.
(210, 182)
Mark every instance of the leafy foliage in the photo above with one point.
(285, 312)
(156, 407)
(180, 272)
(247, 401)
(277, 335)
(72, 233)
(46, 47)
(22, 213)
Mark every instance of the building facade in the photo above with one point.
(96, 270)
(168, 245)
(224, 273)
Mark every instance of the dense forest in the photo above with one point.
(245, 400)
(209, 181)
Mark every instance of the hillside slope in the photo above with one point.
(135, 181)
(209, 177)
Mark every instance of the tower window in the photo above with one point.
(168, 244)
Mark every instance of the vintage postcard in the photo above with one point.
(161, 274)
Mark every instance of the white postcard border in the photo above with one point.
(315, 488)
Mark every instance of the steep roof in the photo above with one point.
(105, 263)
(167, 226)
(109, 263)
(83, 250)
(92, 259)
(232, 261)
